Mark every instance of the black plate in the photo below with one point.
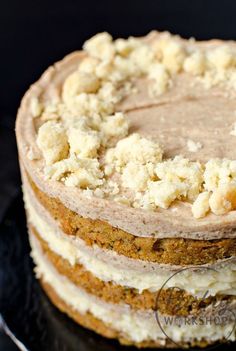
(28, 316)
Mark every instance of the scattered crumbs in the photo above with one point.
(35, 107)
(233, 131)
(122, 200)
(162, 119)
(201, 205)
(193, 146)
(31, 154)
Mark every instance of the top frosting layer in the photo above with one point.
(138, 125)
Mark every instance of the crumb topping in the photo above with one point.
(85, 142)
(233, 131)
(193, 146)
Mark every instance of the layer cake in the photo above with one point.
(127, 155)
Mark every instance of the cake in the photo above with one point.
(127, 155)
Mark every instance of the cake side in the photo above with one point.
(167, 250)
(128, 324)
(134, 284)
(139, 274)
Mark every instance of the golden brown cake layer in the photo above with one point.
(175, 251)
(168, 300)
(89, 321)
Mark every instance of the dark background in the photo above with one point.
(36, 33)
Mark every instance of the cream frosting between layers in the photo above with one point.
(107, 265)
(137, 326)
